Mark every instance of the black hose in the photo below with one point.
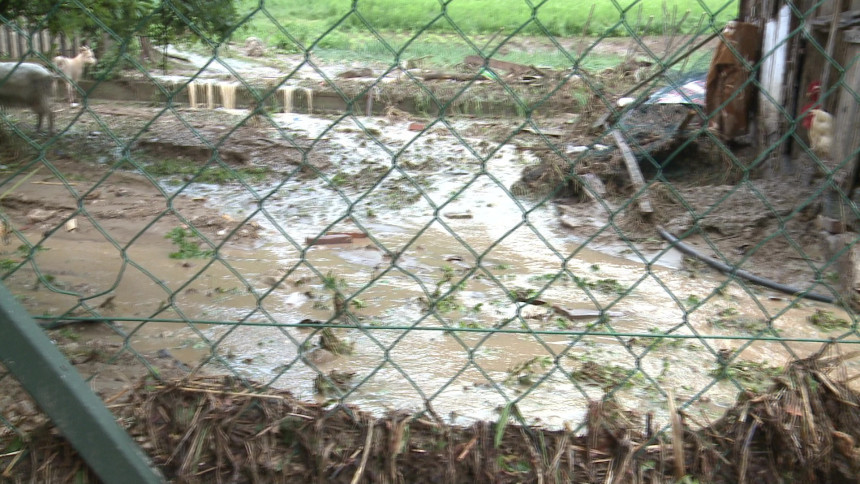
(734, 271)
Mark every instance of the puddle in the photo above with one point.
(428, 291)
(478, 247)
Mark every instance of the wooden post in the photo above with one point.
(847, 265)
(831, 44)
(846, 139)
(636, 177)
(3, 50)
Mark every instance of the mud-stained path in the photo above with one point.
(428, 292)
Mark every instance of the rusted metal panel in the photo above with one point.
(728, 94)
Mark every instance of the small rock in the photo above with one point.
(321, 356)
(254, 47)
(270, 281)
(459, 215)
(329, 239)
(830, 225)
(625, 101)
(39, 215)
(354, 73)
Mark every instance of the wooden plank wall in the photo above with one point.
(840, 101)
(14, 46)
(806, 60)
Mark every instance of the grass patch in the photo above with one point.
(606, 376)
(7, 265)
(730, 318)
(446, 50)
(218, 175)
(751, 374)
(828, 321)
(607, 286)
(306, 22)
(189, 246)
(526, 372)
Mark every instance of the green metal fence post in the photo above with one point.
(66, 398)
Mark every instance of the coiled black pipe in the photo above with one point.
(740, 272)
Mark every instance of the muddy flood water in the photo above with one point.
(441, 227)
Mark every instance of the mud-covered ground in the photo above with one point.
(757, 221)
(764, 220)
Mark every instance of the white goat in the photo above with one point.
(27, 86)
(74, 68)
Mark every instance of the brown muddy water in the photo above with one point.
(441, 217)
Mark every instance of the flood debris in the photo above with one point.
(356, 73)
(609, 168)
(804, 428)
(643, 199)
(446, 76)
(459, 214)
(329, 341)
(329, 239)
(575, 313)
(512, 68)
(333, 383)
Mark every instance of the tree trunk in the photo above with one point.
(145, 48)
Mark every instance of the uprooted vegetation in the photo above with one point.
(803, 428)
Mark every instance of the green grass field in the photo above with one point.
(420, 28)
(556, 17)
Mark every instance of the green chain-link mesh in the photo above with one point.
(455, 294)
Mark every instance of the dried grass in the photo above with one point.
(804, 429)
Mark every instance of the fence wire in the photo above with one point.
(378, 229)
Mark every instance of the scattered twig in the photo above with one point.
(633, 45)
(221, 392)
(52, 183)
(467, 448)
(113, 398)
(677, 436)
(492, 38)
(585, 30)
(20, 182)
(368, 442)
(644, 199)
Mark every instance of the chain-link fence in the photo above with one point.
(654, 210)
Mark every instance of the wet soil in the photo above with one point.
(803, 428)
(124, 214)
(115, 261)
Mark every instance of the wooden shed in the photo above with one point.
(807, 41)
(804, 41)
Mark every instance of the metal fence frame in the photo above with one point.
(30, 357)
